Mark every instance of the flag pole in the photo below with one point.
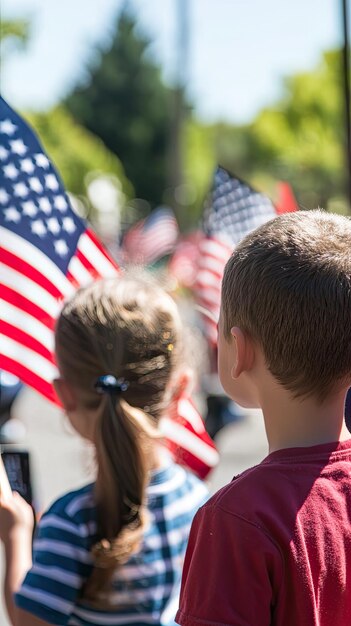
(346, 87)
(176, 174)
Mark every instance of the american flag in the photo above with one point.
(46, 253)
(152, 238)
(232, 210)
(286, 201)
(187, 438)
(183, 263)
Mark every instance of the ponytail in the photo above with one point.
(126, 327)
(119, 490)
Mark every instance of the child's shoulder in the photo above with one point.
(77, 505)
(174, 483)
(246, 492)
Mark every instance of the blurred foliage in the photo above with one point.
(300, 139)
(121, 115)
(75, 152)
(199, 165)
(18, 30)
(126, 104)
(13, 34)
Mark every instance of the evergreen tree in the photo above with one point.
(125, 103)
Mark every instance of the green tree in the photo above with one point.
(126, 104)
(17, 30)
(13, 34)
(299, 139)
(76, 152)
(303, 134)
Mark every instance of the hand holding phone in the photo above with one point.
(5, 489)
(16, 509)
(15, 464)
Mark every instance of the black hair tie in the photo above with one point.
(111, 385)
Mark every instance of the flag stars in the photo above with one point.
(10, 171)
(61, 247)
(53, 225)
(51, 182)
(45, 204)
(68, 225)
(4, 196)
(7, 127)
(38, 228)
(27, 166)
(29, 208)
(35, 184)
(20, 190)
(18, 147)
(60, 203)
(3, 153)
(12, 215)
(41, 160)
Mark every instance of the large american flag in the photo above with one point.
(150, 239)
(46, 253)
(232, 210)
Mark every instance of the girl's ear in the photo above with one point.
(66, 394)
(244, 352)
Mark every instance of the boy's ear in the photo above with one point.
(244, 352)
(66, 394)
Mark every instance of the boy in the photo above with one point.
(274, 546)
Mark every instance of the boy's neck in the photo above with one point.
(292, 422)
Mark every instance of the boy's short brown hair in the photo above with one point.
(288, 284)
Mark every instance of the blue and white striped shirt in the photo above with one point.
(145, 590)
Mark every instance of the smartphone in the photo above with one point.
(17, 466)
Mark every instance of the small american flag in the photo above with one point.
(46, 253)
(187, 438)
(232, 210)
(286, 201)
(152, 238)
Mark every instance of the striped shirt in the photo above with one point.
(145, 590)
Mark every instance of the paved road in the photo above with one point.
(61, 461)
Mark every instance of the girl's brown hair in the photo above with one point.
(127, 327)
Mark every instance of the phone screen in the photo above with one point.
(18, 472)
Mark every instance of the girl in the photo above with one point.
(110, 553)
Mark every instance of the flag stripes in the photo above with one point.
(25, 339)
(187, 438)
(213, 255)
(28, 375)
(32, 303)
(29, 359)
(152, 238)
(233, 209)
(23, 250)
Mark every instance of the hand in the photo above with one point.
(15, 516)
(16, 531)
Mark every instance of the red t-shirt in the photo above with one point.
(273, 548)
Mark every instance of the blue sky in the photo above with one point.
(238, 54)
